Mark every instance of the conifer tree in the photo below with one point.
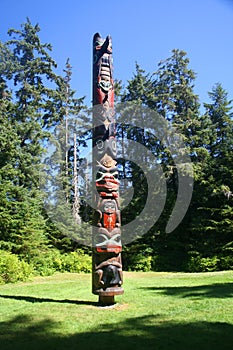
(31, 111)
(215, 213)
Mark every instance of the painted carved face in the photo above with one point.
(107, 180)
(98, 42)
(107, 175)
(109, 207)
(108, 146)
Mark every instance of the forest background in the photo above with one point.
(35, 100)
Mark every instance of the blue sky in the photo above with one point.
(143, 31)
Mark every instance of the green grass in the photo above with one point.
(157, 311)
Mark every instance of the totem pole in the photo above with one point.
(106, 258)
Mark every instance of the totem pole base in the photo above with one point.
(106, 297)
(106, 300)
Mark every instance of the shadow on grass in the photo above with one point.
(146, 332)
(49, 300)
(217, 290)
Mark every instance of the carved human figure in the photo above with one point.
(108, 235)
(109, 272)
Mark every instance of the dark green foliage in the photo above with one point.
(137, 257)
(213, 196)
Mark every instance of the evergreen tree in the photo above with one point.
(8, 143)
(133, 104)
(28, 114)
(174, 99)
(220, 114)
(215, 211)
(21, 223)
(174, 96)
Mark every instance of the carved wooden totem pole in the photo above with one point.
(107, 265)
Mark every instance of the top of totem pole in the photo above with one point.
(101, 43)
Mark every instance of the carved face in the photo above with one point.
(106, 180)
(105, 146)
(98, 42)
(109, 207)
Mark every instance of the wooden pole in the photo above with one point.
(107, 276)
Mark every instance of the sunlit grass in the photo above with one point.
(157, 311)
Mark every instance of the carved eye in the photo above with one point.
(114, 173)
(100, 176)
(98, 43)
(114, 145)
(100, 144)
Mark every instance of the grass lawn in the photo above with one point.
(157, 311)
